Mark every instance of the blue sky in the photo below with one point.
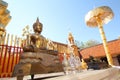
(62, 16)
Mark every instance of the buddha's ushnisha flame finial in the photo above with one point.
(37, 21)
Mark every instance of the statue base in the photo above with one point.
(45, 61)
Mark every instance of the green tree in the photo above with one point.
(118, 37)
(86, 44)
(77, 43)
(91, 43)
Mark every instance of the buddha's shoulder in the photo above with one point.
(38, 36)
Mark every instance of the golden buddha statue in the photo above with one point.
(37, 41)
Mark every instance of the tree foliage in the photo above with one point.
(86, 44)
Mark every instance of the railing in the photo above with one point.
(9, 57)
(10, 49)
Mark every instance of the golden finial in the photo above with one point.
(71, 38)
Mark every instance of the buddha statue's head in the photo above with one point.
(37, 27)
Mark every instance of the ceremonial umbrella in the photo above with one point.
(96, 18)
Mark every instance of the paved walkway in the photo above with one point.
(36, 76)
(105, 74)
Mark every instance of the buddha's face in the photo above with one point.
(38, 28)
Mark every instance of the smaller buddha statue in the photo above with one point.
(37, 41)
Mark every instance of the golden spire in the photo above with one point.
(4, 19)
(71, 38)
(4, 14)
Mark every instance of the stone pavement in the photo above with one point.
(105, 74)
(36, 76)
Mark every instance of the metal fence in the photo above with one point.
(9, 57)
(10, 50)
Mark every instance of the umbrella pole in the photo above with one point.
(107, 51)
